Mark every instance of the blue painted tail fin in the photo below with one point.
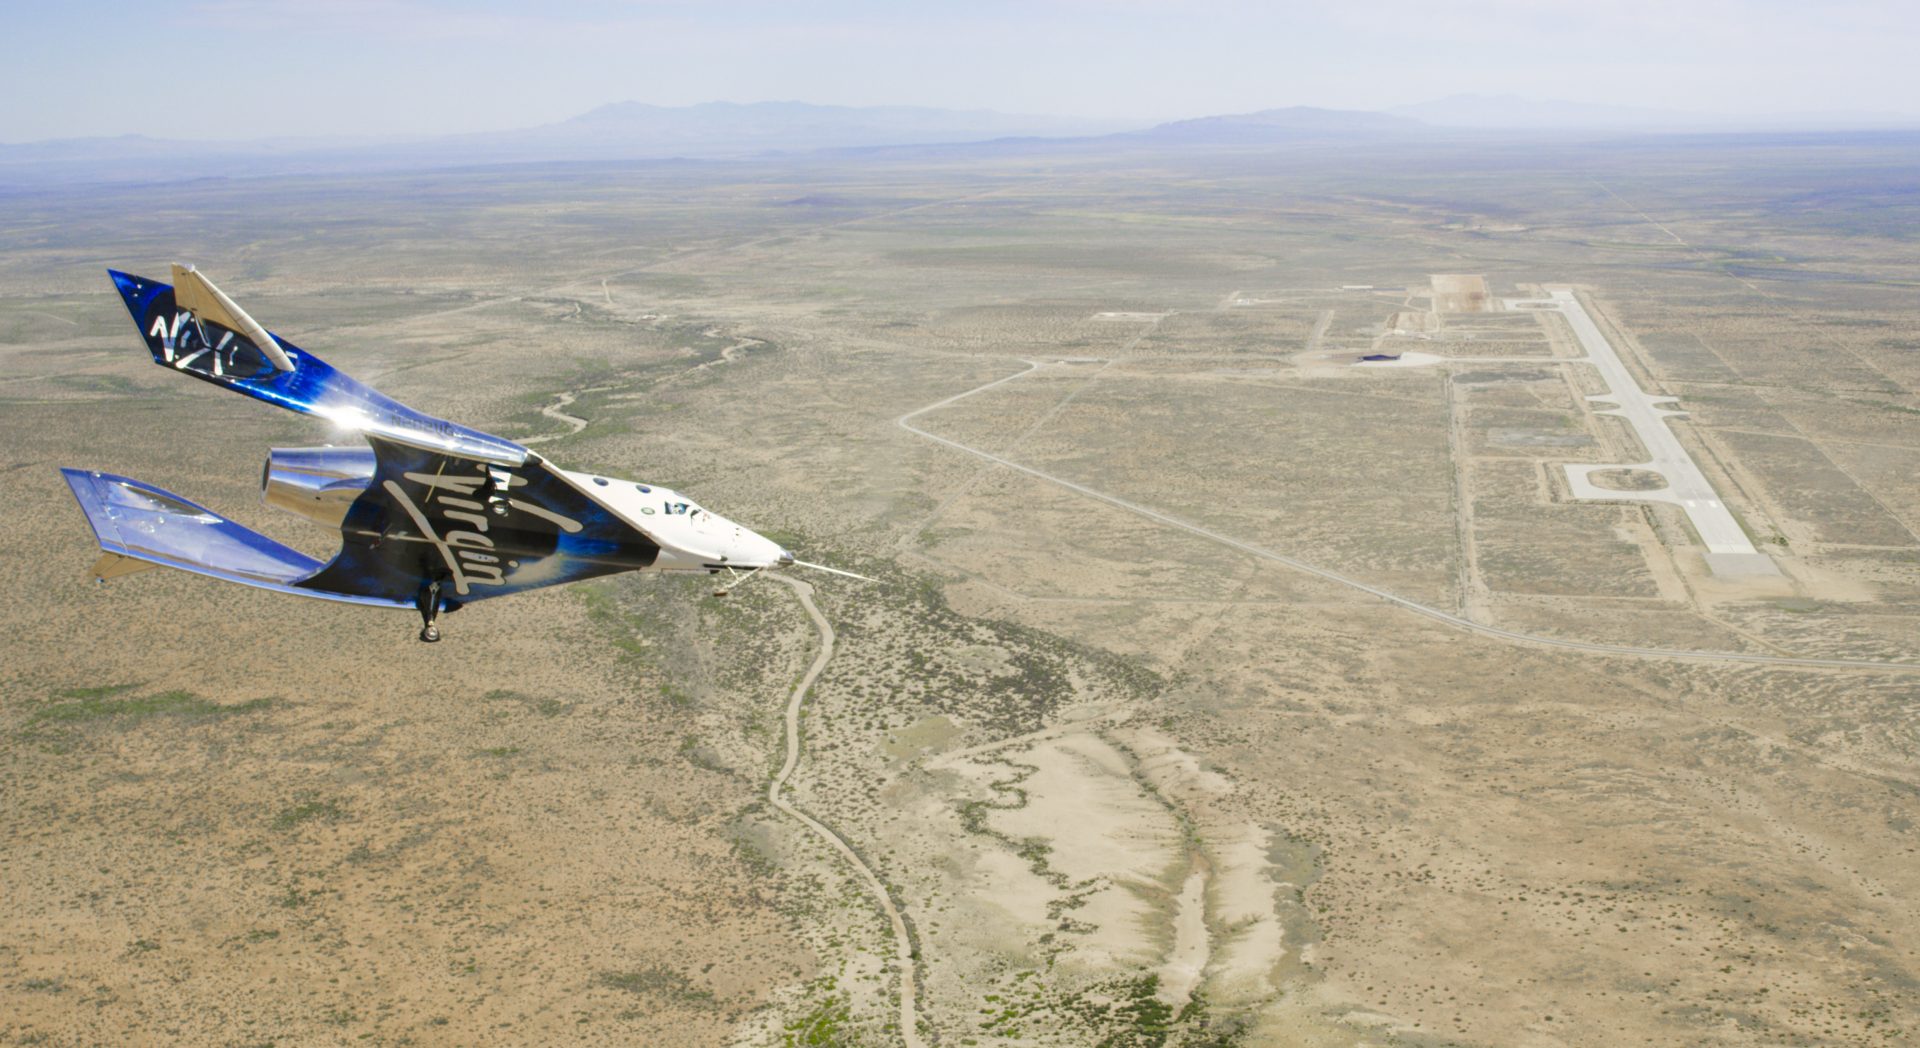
(214, 352)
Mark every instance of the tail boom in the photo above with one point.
(221, 344)
(139, 524)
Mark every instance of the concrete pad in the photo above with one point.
(1584, 488)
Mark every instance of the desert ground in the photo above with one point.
(1214, 689)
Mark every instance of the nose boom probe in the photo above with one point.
(736, 579)
(832, 571)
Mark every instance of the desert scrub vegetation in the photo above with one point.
(545, 707)
(655, 980)
(87, 704)
(913, 647)
(826, 1023)
(640, 618)
(604, 392)
(59, 723)
(1122, 1012)
(309, 808)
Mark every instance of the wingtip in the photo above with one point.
(134, 288)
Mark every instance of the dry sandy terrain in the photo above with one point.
(1130, 733)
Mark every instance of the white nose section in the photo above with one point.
(752, 550)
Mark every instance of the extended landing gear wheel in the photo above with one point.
(427, 602)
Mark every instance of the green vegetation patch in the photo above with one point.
(548, 707)
(922, 653)
(826, 1023)
(103, 703)
(57, 724)
(654, 623)
(309, 809)
(1125, 1012)
(656, 979)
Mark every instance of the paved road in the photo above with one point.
(902, 941)
(906, 422)
(1686, 487)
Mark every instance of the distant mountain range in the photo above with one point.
(1512, 111)
(637, 131)
(723, 128)
(621, 131)
(1282, 125)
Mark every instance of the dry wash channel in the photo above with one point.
(902, 941)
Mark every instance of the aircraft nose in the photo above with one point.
(751, 549)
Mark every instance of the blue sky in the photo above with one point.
(263, 68)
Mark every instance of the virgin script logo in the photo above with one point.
(468, 550)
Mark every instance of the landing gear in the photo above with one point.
(427, 602)
(734, 579)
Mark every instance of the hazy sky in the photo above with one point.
(254, 68)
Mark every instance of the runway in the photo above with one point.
(1730, 551)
